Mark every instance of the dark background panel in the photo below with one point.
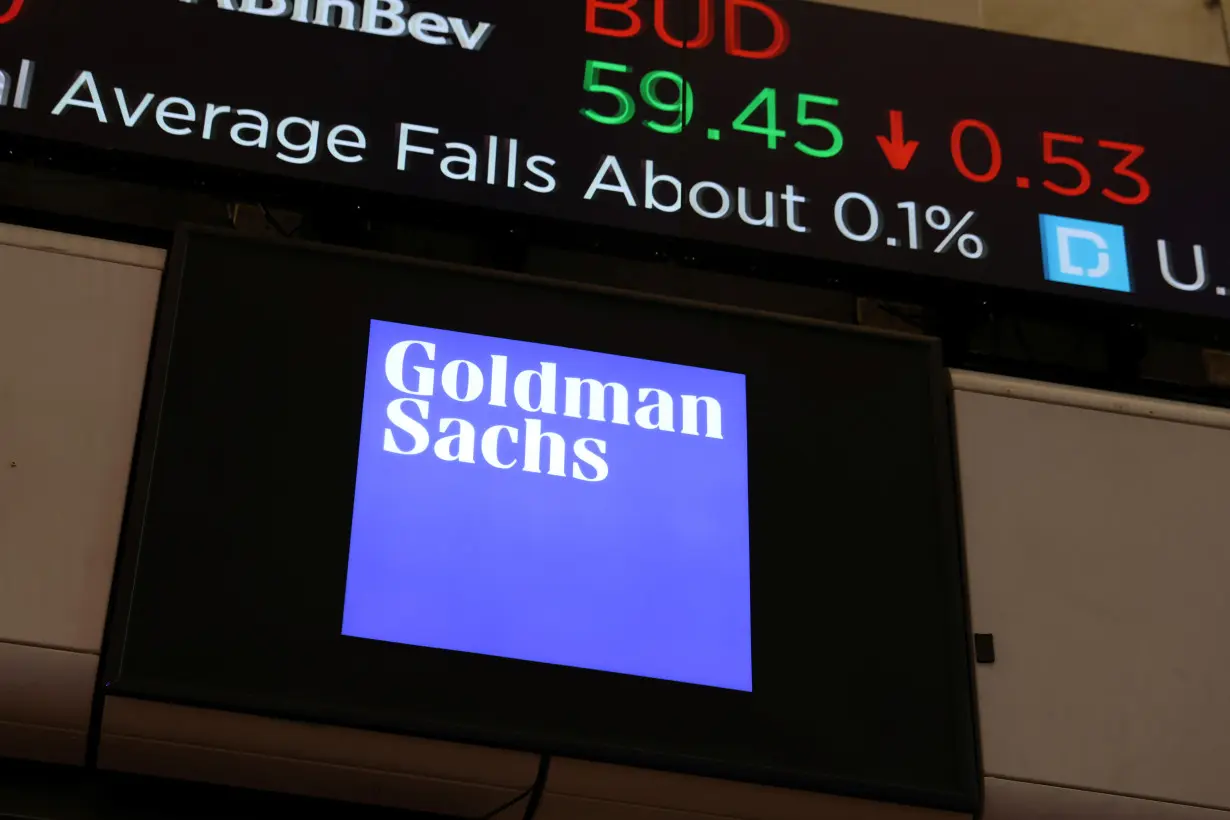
(238, 549)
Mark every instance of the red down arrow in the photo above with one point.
(898, 151)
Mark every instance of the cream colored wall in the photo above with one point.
(76, 316)
(1095, 532)
(1186, 29)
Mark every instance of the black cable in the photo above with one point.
(534, 793)
(540, 785)
(277, 226)
(503, 806)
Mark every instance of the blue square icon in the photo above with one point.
(1089, 254)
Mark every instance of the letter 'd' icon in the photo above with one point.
(7, 15)
(1066, 237)
(1090, 254)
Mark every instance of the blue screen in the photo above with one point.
(546, 504)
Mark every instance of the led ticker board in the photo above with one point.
(792, 127)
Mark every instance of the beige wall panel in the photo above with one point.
(1012, 800)
(45, 698)
(1099, 547)
(1186, 29)
(74, 336)
(42, 744)
(309, 759)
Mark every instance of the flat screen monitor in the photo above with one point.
(549, 516)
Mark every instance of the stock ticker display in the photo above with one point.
(791, 127)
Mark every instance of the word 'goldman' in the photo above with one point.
(533, 391)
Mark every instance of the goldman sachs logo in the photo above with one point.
(384, 18)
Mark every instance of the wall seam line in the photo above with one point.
(299, 760)
(1090, 790)
(51, 646)
(1196, 415)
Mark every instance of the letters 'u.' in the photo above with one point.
(13, 10)
(1202, 275)
(1066, 237)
